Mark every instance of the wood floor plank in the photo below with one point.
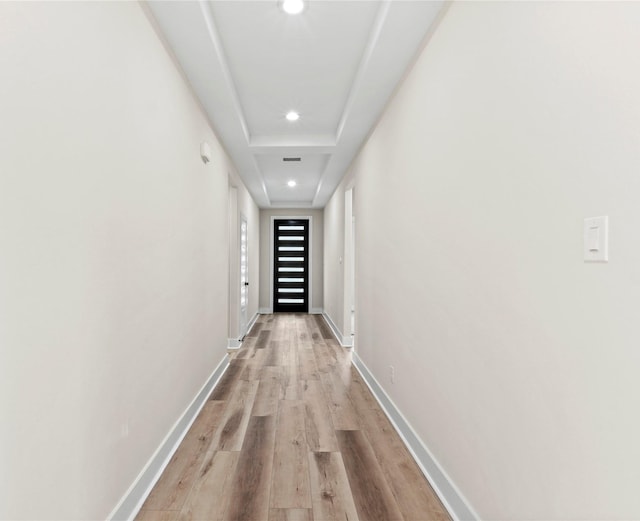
(244, 353)
(308, 370)
(255, 330)
(290, 382)
(254, 363)
(323, 327)
(249, 342)
(230, 435)
(290, 483)
(290, 348)
(290, 362)
(360, 394)
(209, 497)
(157, 515)
(399, 469)
(343, 413)
(302, 333)
(176, 481)
(319, 427)
(342, 357)
(279, 329)
(371, 493)
(435, 516)
(343, 370)
(229, 379)
(325, 360)
(330, 491)
(269, 391)
(251, 485)
(314, 332)
(263, 339)
(274, 353)
(298, 514)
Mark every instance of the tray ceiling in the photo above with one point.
(336, 64)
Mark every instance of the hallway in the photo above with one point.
(291, 433)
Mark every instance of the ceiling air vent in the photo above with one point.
(292, 159)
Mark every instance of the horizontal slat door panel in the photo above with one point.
(291, 254)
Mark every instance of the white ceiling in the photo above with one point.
(336, 64)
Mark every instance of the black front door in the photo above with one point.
(291, 265)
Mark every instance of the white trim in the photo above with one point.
(214, 35)
(345, 341)
(242, 218)
(316, 311)
(236, 343)
(265, 311)
(451, 497)
(310, 253)
(349, 272)
(133, 499)
(233, 343)
(253, 320)
(233, 319)
(363, 68)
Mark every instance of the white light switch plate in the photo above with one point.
(596, 239)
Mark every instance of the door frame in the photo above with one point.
(271, 260)
(243, 327)
(349, 271)
(234, 269)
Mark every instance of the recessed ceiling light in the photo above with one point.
(293, 116)
(292, 183)
(293, 6)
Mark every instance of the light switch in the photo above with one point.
(593, 235)
(596, 247)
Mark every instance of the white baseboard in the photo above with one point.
(345, 341)
(233, 343)
(269, 311)
(130, 504)
(448, 493)
(253, 320)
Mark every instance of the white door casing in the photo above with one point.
(244, 276)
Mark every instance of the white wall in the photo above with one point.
(114, 257)
(515, 361)
(317, 248)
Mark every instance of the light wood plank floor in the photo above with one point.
(292, 433)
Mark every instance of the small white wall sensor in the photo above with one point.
(205, 152)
